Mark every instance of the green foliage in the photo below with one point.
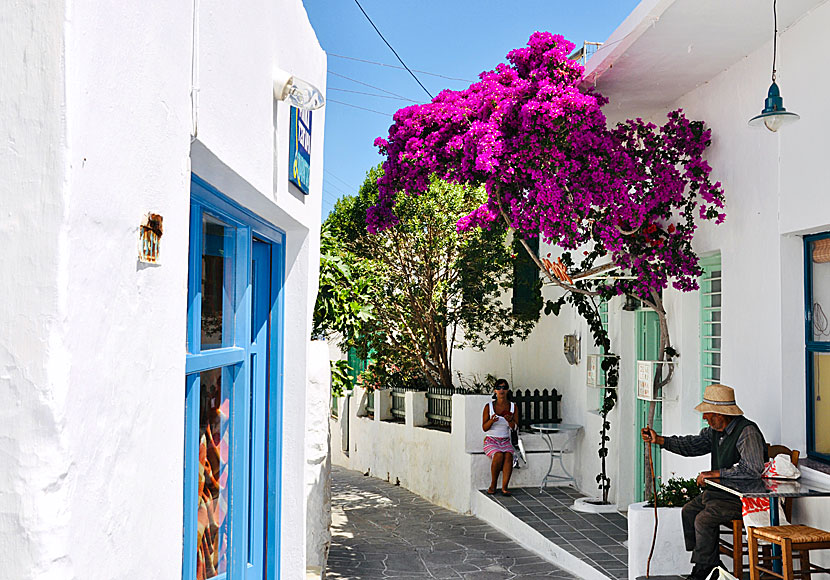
(342, 305)
(475, 385)
(413, 293)
(676, 492)
(341, 381)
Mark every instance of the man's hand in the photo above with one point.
(649, 436)
(704, 475)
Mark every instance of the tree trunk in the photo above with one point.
(659, 381)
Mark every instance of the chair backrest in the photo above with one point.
(772, 451)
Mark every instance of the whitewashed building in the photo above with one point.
(768, 281)
(153, 410)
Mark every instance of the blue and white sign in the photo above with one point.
(299, 149)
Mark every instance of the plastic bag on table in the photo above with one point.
(781, 467)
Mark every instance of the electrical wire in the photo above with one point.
(821, 326)
(344, 182)
(338, 189)
(369, 94)
(361, 108)
(393, 50)
(331, 72)
(774, 37)
(423, 72)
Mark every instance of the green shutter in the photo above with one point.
(710, 322)
(527, 286)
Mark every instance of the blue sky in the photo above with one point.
(443, 37)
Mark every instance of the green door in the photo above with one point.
(648, 341)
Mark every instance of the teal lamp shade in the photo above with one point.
(774, 116)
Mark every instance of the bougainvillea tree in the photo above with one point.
(621, 204)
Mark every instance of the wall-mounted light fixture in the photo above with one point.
(631, 303)
(774, 115)
(297, 92)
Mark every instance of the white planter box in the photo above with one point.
(670, 555)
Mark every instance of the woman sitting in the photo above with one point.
(499, 417)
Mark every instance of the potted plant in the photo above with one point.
(670, 555)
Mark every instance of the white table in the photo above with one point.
(547, 429)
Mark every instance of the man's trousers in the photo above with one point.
(702, 518)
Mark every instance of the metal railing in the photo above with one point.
(398, 404)
(585, 52)
(439, 406)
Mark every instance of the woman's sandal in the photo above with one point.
(491, 491)
(505, 492)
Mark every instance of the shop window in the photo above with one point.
(232, 392)
(817, 307)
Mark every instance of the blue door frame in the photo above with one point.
(812, 349)
(252, 370)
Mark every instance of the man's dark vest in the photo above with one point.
(725, 451)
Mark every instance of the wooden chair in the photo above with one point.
(791, 539)
(733, 544)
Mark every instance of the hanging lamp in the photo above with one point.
(774, 115)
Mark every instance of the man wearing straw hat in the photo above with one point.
(738, 450)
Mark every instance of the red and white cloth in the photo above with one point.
(755, 510)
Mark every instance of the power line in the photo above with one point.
(361, 108)
(423, 72)
(333, 195)
(369, 94)
(393, 50)
(349, 185)
(334, 185)
(331, 72)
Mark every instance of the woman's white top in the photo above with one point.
(501, 428)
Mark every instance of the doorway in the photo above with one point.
(233, 392)
(648, 344)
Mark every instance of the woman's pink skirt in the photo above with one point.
(494, 445)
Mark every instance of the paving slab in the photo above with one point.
(380, 530)
(596, 539)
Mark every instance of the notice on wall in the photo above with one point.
(592, 370)
(645, 380)
(299, 149)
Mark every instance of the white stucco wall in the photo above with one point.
(318, 460)
(97, 122)
(447, 469)
(776, 191)
(34, 521)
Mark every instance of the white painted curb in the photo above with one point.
(500, 518)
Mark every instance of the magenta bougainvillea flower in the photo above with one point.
(539, 144)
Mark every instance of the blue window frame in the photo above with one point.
(233, 391)
(817, 343)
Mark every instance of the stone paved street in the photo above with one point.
(380, 530)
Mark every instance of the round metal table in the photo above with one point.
(547, 429)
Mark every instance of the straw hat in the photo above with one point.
(719, 399)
